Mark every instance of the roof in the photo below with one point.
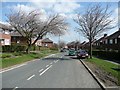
(6, 27)
(15, 34)
(47, 40)
(114, 35)
(101, 39)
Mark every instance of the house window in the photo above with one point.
(2, 41)
(106, 41)
(111, 41)
(18, 41)
(115, 41)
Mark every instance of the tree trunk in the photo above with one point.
(28, 49)
(29, 46)
(90, 48)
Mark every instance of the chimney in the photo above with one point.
(105, 35)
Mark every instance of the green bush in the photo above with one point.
(5, 55)
(53, 48)
(13, 48)
(17, 54)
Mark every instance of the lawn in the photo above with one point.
(11, 59)
(107, 66)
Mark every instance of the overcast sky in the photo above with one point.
(67, 8)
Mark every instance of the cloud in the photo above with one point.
(22, 7)
(65, 6)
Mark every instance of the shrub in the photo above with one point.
(13, 48)
(53, 48)
(17, 54)
(5, 55)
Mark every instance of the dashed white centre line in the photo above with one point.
(46, 70)
(55, 61)
(47, 65)
(51, 63)
(30, 77)
(15, 88)
(40, 70)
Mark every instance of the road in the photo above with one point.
(57, 71)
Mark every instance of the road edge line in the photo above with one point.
(14, 66)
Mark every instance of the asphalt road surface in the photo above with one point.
(57, 71)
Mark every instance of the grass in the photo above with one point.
(107, 66)
(7, 62)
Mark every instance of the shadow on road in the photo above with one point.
(56, 58)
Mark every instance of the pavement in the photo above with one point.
(55, 71)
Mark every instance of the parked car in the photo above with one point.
(63, 50)
(71, 52)
(82, 54)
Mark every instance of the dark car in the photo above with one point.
(82, 54)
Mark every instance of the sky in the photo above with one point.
(67, 8)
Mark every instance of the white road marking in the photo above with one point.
(13, 68)
(51, 63)
(47, 65)
(56, 61)
(15, 88)
(46, 70)
(40, 70)
(50, 55)
(30, 77)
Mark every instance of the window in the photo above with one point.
(2, 41)
(18, 41)
(106, 41)
(111, 41)
(115, 41)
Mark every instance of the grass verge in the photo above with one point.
(7, 62)
(109, 67)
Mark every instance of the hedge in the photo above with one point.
(13, 48)
(112, 55)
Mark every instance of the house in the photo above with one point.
(16, 38)
(100, 43)
(47, 43)
(5, 38)
(112, 42)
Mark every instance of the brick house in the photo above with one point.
(47, 43)
(5, 38)
(16, 38)
(100, 43)
(112, 42)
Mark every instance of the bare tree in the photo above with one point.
(62, 44)
(30, 25)
(95, 20)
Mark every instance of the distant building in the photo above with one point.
(5, 38)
